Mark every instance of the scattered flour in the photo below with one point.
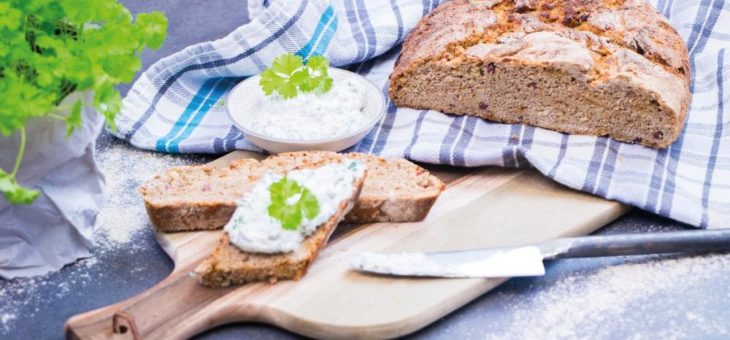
(125, 169)
(5, 319)
(22, 298)
(584, 304)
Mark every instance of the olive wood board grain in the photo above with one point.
(481, 207)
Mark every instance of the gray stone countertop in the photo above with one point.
(621, 297)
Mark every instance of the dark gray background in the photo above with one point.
(649, 297)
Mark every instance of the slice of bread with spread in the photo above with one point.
(599, 67)
(232, 263)
(396, 190)
(204, 198)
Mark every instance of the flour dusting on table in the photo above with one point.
(23, 297)
(124, 214)
(585, 304)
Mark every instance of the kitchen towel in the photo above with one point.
(176, 105)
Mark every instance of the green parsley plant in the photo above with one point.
(49, 49)
(288, 75)
(281, 208)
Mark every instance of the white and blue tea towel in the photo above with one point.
(175, 105)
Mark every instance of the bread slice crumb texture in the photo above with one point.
(197, 197)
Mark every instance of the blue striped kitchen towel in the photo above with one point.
(175, 106)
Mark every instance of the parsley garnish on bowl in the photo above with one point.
(289, 75)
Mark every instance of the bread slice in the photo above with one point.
(602, 67)
(396, 190)
(229, 265)
(203, 197)
(197, 197)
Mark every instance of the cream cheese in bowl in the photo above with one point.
(310, 116)
(331, 121)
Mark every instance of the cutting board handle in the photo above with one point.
(177, 307)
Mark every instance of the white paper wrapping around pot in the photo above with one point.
(57, 228)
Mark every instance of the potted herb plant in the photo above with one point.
(59, 63)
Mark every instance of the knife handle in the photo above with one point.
(638, 244)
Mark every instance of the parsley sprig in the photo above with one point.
(50, 49)
(289, 75)
(283, 210)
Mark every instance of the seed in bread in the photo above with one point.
(595, 67)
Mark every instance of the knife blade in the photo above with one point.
(528, 260)
(521, 261)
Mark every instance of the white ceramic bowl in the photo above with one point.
(247, 91)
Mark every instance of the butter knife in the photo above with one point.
(528, 260)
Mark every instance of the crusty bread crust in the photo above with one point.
(187, 216)
(598, 67)
(229, 265)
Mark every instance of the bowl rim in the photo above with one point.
(381, 108)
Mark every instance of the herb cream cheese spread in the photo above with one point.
(253, 229)
(309, 116)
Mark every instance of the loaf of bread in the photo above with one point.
(596, 67)
(230, 265)
(204, 197)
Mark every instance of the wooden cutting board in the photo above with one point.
(487, 207)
